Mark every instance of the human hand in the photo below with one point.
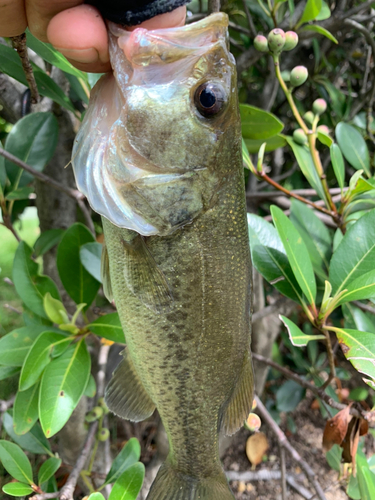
(77, 30)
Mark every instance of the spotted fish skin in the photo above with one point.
(176, 258)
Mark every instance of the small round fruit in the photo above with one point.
(299, 136)
(276, 40)
(291, 40)
(324, 129)
(309, 117)
(298, 76)
(260, 43)
(319, 106)
(103, 434)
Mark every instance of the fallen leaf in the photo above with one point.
(336, 428)
(256, 447)
(350, 443)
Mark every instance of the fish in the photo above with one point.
(159, 157)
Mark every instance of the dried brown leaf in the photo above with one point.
(336, 429)
(350, 442)
(256, 447)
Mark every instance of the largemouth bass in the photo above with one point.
(159, 157)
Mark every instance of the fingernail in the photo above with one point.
(80, 55)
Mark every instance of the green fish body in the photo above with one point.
(159, 156)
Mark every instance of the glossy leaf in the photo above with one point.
(289, 395)
(63, 383)
(8, 371)
(263, 233)
(39, 356)
(307, 167)
(296, 336)
(48, 469)
(90, 254)
(316, 28)
(10, 64)
(258, 124)
(325, 138)
(353, 147)
(338, 164)
(33, 441)
(47, 240)
(55, 310)
(22, 193)
(33, 139)
(127, 457)
(324, 13)
(359, 348)
(17, 489)
(129, 484)
(297, 253)
(79, 284)
(25, 411)
(15, 345)
(312, 9)
(360, 320)
(15, 462)
(109, 327)
(366, 479)
(355, 254)
(272, 143)
(90, 389)
(30, 286)
(361, 288)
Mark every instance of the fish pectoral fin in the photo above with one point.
(125, 394)
(240, 404)
(143, 276)
(104, 272)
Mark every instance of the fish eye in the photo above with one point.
(209, 99)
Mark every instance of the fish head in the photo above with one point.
(162, 121)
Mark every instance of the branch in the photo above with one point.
(299, 192)
(250, 21)
(5, 405)
(19, 43)
(271, 309)
(213, 6)
(283, 442)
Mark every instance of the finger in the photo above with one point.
(40, 12)
(81, 35)
(167, 20)
(12, 17)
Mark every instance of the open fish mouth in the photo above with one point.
(146, 151)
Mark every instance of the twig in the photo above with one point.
(300, 192)
(11, 308)
(239, 28)
(364, 307)
(19, 43)
(272, 308)
(283, 442)
(73, 193)
(283, 473)
(66, 492)
(213, 6)
(6, 404)
(253, 31)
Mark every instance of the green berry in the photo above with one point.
(103, 434)
(102, 404)
(324, 129)
(309, 117)
(276, 40)
(260, 43)
(94, 414)
(299, 136)
(298, 76)
(291, 40)
(319, 106)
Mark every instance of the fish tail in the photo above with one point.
(171, 484)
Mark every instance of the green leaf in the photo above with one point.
(55, 310)
(312, 9)
(47, 240)
(296, 336)
(79, 89)
(48, 469)
(325, 12)
(47, 52)
(361, 288)
(17, 489)
(91, 254)
(15, 345)
(322, 31)
(359, 348)
(306, 164)
(109, 327)
(338, 164)
(361, 320)
(79, 284)
(366, 479)
(96, 496)
(33, 139)
(33, 441)
(353, 147)
(258, 124)
(20, 193)
(3, 177)
(25, 411)
(127, 457)
(30, 286)
(269, 257)
(315, 235)
(355, 254)
(90, 390)
(297, 253)
(358, 394)
(325, 139)
(39, 356)
(289, 395)
(333, 457)
(15, 462)
(10, 64)
(63, 383)
(8, 371)
(274, 142)
(129, 484)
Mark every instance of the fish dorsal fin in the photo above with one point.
(125, 394)
(143, 276)
(241, 402)
(104, 272)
